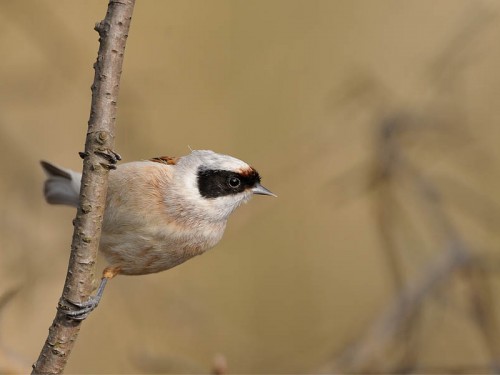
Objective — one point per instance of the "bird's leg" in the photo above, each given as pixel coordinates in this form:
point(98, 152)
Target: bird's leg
point(83, 309)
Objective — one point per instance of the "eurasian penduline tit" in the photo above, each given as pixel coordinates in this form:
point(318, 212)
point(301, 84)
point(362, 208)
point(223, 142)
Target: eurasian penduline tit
point(159, 212)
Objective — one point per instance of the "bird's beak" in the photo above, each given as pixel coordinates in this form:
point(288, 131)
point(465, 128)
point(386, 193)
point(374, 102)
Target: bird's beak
point(259, 189)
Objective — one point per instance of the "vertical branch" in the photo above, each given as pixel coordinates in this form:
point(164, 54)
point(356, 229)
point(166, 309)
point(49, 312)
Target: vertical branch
point(98, 159)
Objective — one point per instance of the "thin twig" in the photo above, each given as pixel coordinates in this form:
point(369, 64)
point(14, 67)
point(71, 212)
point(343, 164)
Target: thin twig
point(113, 32)
point(361, 355)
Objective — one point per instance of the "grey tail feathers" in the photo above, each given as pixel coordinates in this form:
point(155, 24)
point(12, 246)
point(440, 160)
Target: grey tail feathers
point(62, 185)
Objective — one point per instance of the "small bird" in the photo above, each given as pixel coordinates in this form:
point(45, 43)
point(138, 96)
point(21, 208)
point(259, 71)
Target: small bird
point(159, 212)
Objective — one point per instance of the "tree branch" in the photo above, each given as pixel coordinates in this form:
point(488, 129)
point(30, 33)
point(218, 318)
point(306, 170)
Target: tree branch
point(113, 32)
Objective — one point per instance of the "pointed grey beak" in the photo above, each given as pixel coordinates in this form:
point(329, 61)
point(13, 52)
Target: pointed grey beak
point(259, 189)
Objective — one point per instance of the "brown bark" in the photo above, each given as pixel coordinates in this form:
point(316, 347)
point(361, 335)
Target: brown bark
point(113, 31)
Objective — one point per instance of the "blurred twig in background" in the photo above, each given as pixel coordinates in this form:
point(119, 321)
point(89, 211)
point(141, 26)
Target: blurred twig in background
point(396, 329)
point(428, 255)
point(10, 362)
point(152, 363)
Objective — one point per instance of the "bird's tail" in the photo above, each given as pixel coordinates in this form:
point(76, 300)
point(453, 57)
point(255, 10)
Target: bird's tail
point(62, 185)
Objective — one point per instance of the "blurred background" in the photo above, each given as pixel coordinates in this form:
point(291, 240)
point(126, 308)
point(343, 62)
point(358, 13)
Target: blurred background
point(376, 123)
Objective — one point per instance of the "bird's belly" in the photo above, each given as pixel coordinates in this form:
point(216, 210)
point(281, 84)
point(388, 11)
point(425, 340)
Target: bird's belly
point(150, 250)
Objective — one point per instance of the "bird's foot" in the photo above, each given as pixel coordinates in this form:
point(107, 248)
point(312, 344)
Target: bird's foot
point(81, 310)
point(111, 157)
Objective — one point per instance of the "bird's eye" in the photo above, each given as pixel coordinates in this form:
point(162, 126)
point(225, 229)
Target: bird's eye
point(234, 182)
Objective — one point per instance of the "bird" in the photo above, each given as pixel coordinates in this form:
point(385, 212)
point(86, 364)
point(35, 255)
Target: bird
point(159, 212)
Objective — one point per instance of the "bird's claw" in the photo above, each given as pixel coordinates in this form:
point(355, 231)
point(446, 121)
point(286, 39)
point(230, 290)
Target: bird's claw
point(110, 156)
point(79, 310)
point(83, 154)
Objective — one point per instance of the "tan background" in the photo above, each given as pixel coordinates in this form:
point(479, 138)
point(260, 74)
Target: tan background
point(299, 89)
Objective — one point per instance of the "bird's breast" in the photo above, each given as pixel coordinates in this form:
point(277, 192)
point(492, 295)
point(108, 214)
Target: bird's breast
point(149, 249)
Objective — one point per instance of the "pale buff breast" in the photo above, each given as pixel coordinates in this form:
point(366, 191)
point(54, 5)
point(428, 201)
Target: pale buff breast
point(150, 242)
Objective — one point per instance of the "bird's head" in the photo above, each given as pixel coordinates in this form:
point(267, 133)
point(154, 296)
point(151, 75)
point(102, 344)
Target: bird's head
point(211, 186)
